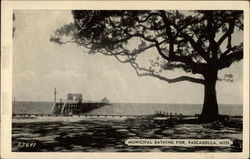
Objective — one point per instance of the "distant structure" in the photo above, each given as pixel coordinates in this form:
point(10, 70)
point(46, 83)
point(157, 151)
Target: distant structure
point(74, 104)
point(105, 100)
point(55, 95)
point(75, 97)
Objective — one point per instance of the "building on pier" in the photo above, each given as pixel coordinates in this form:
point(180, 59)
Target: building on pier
point(74, 97)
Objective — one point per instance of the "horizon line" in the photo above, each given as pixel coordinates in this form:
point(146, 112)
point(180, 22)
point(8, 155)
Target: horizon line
point(136, 102)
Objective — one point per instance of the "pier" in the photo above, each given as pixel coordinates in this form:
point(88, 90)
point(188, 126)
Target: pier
point(74, 108)
point(75, 105)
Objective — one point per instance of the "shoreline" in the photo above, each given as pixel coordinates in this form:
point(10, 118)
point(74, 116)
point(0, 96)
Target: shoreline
point(233, 121)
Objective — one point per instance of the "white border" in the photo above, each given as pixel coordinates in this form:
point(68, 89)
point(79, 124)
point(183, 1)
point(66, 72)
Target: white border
point(6, 71)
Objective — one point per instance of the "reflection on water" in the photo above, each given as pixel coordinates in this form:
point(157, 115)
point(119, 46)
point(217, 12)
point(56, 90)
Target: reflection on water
point(110, 135)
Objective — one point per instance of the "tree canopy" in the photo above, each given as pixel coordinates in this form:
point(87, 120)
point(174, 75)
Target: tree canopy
point(197, 42)
point(187, 40)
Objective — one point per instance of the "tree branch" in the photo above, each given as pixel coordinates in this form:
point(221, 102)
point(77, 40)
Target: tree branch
point(173, 80)
point(196, 47)
point(59, 41)
point(226, 61)
point(144, 20)
point(196, 67)
point(227, 33)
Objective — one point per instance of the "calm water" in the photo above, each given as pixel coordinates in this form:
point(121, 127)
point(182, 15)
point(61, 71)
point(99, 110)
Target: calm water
point(130, 108)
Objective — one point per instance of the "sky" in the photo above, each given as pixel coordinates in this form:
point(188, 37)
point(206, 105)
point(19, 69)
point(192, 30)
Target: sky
point(39, 66)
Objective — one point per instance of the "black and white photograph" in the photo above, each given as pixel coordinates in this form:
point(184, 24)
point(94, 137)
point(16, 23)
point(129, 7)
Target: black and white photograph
point(128, 80)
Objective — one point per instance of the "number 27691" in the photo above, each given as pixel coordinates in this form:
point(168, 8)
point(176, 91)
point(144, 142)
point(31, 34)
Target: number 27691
point(26, 144)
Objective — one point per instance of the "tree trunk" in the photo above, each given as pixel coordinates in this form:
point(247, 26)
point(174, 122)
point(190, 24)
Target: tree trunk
point(210, 106)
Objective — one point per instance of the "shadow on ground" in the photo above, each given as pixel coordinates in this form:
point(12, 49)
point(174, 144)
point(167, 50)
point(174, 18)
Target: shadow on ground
point(110, 136)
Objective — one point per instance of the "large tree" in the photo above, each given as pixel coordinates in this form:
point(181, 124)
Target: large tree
point(197, 42)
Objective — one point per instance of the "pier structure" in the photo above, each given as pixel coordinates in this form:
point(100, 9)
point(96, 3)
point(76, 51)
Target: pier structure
point(74, 105)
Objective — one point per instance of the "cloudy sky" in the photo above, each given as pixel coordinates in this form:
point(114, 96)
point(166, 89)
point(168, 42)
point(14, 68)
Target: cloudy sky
point(39, 66)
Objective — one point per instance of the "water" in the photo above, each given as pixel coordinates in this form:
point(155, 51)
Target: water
point(130, 108)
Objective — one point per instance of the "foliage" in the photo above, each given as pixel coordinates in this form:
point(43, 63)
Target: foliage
point(194, 41)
